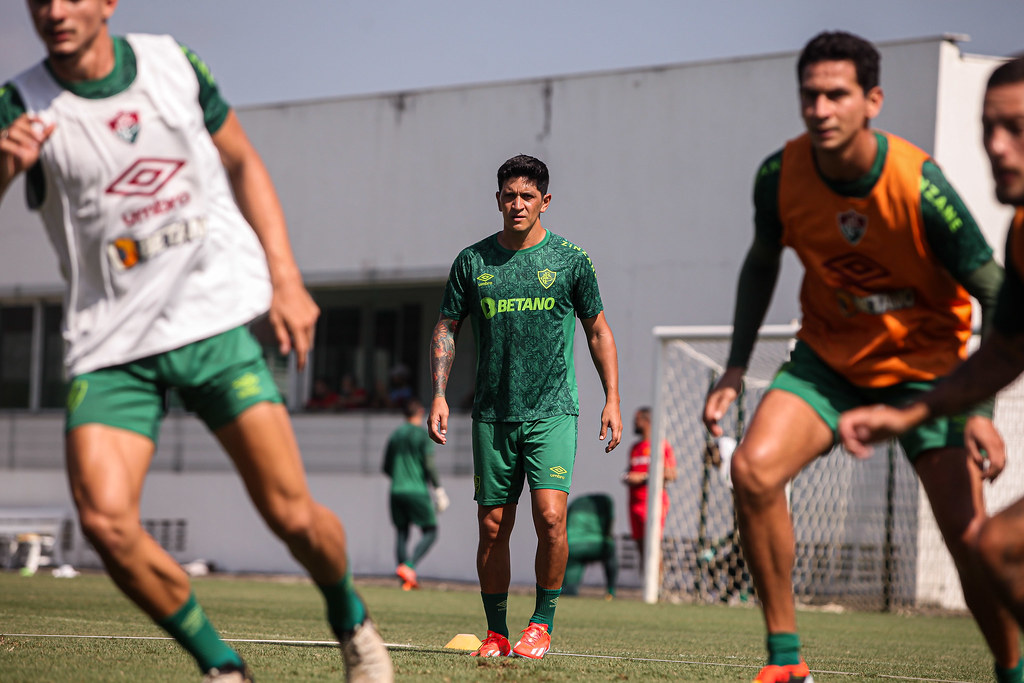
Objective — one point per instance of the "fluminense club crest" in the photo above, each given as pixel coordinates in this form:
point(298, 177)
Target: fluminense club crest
point(125, 125)
point(853, 225)
point(546, 277)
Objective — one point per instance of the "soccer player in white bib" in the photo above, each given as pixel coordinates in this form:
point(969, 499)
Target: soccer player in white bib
point(171, 239)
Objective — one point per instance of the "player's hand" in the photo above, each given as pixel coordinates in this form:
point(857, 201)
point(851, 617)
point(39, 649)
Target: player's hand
point(985, 445)
point(611, 425)
point(20, 144)
point(441, 501)
point(721, 396)
point(293, 315)
point(861, 427)
point(437, 423)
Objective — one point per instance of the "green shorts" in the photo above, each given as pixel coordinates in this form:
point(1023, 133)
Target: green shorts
point(217, 378)
point(412, 508)
point(830, 394)
point(507, 453)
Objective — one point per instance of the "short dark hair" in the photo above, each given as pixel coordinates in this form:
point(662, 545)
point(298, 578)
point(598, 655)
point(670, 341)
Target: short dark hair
point(524, 166)
point(411, 406)
point(1008, 73)
point(836, 46)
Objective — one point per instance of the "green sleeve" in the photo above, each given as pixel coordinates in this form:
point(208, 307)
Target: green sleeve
point(586, 296)
point(389, 458)
point(985, 284)
point(1009, 316)
point(950, 229)
point(958, 243)
point(760, 269)
point(11, 107)
point(429, 466)
point(215, 108)
point(453, 304)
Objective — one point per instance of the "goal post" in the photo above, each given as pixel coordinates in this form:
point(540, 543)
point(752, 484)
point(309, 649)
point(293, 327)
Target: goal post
point(701, 349)
point(865, 537)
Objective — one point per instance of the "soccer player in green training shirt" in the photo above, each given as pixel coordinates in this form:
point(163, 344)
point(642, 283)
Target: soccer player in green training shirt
point(409, 462)
point(522, 287)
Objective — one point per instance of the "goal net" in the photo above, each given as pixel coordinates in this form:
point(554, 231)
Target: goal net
point(865, 537)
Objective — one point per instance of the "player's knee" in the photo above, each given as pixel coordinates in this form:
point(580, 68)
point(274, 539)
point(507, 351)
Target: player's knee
point(995, 543)
point(291, 521)
point(110, 533)
point(752, 479)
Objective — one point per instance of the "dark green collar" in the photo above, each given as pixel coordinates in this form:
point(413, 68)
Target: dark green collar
point(117, 81)
point(861, 187)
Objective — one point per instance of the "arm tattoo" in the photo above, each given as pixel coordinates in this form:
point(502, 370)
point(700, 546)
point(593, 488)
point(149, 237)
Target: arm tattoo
point(442, 352)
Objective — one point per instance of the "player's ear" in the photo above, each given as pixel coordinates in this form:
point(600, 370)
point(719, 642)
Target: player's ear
point(875, 97)
point(497, 198)
point(544, 203)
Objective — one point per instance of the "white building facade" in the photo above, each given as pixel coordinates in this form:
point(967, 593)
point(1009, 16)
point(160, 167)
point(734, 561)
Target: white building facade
point(651, 172)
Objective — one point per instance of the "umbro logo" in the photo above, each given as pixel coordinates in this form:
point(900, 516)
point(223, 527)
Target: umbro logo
point(485, 279)
point(558, 472)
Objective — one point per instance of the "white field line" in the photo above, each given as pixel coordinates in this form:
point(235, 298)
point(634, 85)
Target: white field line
point(332, 643)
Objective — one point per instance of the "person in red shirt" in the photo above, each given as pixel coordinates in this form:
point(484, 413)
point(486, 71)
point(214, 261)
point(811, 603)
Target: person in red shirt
point(636, 477)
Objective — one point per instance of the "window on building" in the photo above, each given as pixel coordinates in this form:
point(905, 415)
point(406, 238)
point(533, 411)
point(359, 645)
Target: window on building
point(371, 347)
point(16, 324)
point(52, 390)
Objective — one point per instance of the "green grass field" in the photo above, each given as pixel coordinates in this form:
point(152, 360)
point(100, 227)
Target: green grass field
point(594, 640)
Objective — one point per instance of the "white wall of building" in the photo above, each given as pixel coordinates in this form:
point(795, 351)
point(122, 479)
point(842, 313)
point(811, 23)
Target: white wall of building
point(652, 173)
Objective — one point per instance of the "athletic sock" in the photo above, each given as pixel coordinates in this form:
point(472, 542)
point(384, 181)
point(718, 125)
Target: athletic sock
point(345, 609)
point(427, 540)
point(783, 649)
point(401, 543)
point(1014, 675)
point(544, 612)
point(496, 610)
point(190, 627)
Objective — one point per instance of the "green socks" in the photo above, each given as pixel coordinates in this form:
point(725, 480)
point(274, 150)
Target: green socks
point(1013, 675)
point(783, 649)
point(426, 541)
point(547, 601)
point(345, 610)
point(190, 627)
point(496, 609)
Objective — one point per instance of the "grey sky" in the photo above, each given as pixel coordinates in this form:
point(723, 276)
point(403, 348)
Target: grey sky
point(264, 51)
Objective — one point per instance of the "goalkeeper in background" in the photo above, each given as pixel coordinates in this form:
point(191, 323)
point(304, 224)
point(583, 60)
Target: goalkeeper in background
point(409, 462)
point(999, 360)
point(890, 256)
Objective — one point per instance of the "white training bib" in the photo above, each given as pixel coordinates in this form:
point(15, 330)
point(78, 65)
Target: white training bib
point(153, 248)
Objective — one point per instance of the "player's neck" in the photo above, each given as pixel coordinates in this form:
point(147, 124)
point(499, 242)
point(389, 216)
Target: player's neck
point(93, 62)
point(515, 240)
point(851, 162)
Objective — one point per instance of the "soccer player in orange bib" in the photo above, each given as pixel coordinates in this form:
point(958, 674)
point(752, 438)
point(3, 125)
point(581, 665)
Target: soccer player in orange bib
point(999, 360)
point(891, 255)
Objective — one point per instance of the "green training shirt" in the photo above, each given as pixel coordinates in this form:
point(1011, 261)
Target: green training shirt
point(409, 460)
point(215, 108)
point(523, 305)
